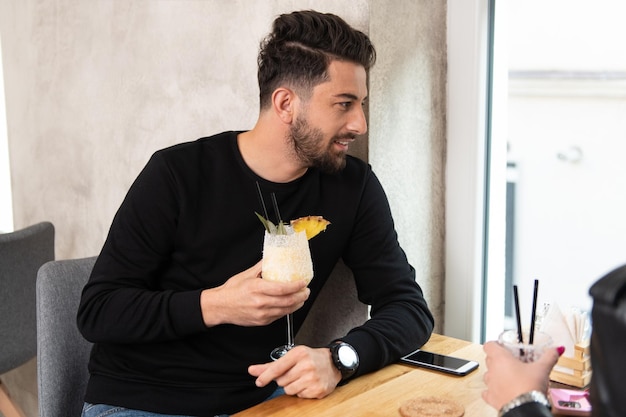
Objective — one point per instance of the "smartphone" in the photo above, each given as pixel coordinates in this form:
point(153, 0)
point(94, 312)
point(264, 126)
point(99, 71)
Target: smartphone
point(443, 363)
point(570, 402)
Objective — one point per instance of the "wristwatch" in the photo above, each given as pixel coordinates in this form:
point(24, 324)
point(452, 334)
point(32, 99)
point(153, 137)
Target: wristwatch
point(345, 358)
point(532, 396)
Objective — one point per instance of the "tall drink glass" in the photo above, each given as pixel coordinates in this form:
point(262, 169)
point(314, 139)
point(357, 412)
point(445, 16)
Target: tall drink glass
point(286, 257)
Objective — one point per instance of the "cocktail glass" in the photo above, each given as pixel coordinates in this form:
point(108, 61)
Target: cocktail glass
point(525, 352)
point(286, 257)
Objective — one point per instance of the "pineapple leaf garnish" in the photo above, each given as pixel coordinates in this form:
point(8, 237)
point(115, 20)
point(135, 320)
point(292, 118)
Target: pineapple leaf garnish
point(271, 228)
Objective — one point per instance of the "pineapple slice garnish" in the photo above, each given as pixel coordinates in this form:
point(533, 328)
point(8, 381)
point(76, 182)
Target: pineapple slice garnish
point(312, 225)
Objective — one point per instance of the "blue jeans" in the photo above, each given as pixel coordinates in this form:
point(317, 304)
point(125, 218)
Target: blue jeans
point(104, 410)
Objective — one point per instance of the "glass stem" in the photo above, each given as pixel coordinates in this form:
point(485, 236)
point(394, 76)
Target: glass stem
point(290, 335)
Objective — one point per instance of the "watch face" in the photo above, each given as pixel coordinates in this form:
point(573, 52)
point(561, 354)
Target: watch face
point(347, 356)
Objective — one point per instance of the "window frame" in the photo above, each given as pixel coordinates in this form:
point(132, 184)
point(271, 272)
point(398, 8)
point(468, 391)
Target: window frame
point(468, 32)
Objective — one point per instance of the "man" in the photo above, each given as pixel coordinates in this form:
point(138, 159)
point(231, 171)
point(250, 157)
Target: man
point(181, 322)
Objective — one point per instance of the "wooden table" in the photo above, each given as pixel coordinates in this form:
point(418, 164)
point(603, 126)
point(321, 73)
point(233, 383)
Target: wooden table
point(380, 393)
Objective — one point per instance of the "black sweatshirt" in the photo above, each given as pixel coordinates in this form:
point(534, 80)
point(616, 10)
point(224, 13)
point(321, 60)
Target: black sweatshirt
point(188, 223)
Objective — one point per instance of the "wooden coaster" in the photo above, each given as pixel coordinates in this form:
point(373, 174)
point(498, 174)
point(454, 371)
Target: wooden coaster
point(431, 407)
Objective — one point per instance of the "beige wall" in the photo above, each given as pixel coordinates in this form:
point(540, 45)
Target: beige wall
point(94, 88)
point(407, 131)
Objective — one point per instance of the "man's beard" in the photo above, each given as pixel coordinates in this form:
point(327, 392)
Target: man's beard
point(308, 146)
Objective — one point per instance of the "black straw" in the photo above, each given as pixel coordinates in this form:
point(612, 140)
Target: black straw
point(280, 220)
point(533, 313)
point(520, 338)
point(258, 188)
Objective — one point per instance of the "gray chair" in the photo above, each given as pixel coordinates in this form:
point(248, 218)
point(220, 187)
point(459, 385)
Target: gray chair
point(21, 254)
point(62, 351)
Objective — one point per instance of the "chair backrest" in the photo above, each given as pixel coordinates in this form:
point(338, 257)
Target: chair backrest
point(21, 254)
point(63, 353)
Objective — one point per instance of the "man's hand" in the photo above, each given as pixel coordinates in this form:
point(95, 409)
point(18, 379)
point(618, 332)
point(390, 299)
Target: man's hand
point(247, 300)
point(303, 371)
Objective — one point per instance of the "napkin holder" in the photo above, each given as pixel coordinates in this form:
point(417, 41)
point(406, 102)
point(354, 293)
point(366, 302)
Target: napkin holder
point(576, 370)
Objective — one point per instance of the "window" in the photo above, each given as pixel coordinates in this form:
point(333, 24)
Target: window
point(6, 208)
point(535, 91)
point(564, 98)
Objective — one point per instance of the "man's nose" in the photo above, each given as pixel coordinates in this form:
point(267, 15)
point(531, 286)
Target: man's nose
point(357, 123)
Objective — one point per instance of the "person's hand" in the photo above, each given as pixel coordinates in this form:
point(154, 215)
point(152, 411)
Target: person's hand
point(303, 371)
point(247, 300)
point(507, 377)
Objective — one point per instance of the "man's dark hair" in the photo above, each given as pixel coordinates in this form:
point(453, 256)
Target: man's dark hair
point(301, 46)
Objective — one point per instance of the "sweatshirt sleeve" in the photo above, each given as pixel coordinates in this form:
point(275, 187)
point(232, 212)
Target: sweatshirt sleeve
point(400, 318)
point(122, 301)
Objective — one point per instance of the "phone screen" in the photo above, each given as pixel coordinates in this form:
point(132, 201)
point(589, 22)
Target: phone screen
point(439, 362)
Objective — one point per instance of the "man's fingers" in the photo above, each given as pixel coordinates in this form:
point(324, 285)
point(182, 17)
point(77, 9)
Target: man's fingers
point(284, 288)
point(269, 372)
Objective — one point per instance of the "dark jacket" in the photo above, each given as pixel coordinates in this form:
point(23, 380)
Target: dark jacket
point(608, 345)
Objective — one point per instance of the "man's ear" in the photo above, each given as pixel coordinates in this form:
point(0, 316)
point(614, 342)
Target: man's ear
point(284, 104)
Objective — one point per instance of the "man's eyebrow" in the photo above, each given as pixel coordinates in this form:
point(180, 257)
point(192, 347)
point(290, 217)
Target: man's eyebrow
point(349, 96)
